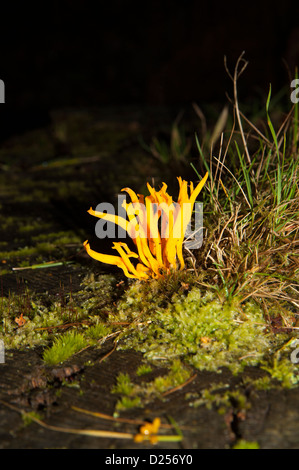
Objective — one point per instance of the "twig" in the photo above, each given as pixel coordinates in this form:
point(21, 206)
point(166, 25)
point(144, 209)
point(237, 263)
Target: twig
point(178, 387)
point(137, 422)
point(85, 432)
point(235, 78)
point(108, 354)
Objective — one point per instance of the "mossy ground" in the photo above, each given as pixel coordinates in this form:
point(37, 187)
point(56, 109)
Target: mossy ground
point(173, 322)
point(182, 322)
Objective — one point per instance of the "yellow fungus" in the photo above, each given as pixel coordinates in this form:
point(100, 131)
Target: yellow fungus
point(159, 247)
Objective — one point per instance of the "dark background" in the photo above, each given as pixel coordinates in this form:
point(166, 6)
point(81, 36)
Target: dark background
point(78, 53)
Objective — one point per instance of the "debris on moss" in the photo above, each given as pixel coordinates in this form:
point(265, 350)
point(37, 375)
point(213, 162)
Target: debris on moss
point(46, 317)
point(39, 320)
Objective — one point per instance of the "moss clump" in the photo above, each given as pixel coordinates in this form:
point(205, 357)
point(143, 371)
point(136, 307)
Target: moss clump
point(177, 375)
point(202, 330)
point(45, 317)
point(142, 299)
point(123, 385)
point(144, 369)
point(219, 397)
point(127, 391)
point(132, 394)
point(38, 321)
point(64, 347)
point(97, 331)
point(30, 416)
point(126, 403)
point(243, 444)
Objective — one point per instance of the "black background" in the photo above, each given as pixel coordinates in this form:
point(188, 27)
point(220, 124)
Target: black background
point(78, 53)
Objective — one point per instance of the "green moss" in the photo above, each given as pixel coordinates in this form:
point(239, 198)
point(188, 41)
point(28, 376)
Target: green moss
point(211, 400)
point(243, 444)
point(200, 329)
point(144, 392)
point(97, 293)
point(64, 347)
point(220, 397)
point(144, 298)
point(126, 403)
point(283, 370)
point(263, 383)
point(44, 314)
point(97, 331)
point(177, 375)
point(127, 391)
point(44, 248)
point(28, 417)
point(41, 247)
point(8, 222)
point(123, 385)
point(27, 227)
point(4, 271)
point(171, 321)
point(60, 237)
point(37, 316)
point(144, 369)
